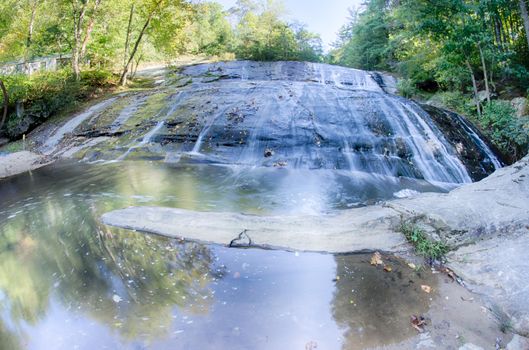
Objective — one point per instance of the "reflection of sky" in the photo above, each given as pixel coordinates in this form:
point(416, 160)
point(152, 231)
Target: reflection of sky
point(66, 280)
point(267, 300)
point(322, 17)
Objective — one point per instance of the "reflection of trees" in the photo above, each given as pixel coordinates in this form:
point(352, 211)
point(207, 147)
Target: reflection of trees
point(373, 306)
point(57, 249)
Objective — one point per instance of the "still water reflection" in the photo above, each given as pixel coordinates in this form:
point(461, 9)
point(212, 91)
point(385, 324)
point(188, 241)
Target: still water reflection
point(68, 282)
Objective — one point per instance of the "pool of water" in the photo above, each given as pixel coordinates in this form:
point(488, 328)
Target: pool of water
point(69, 282)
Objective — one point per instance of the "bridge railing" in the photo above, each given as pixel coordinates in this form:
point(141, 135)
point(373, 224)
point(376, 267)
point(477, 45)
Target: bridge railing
point(40, 64)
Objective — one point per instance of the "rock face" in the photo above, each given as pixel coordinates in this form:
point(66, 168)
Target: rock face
point(287, 114)
point(497, 205)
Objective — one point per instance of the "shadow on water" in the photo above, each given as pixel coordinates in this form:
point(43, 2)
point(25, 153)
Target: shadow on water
point(66, 281)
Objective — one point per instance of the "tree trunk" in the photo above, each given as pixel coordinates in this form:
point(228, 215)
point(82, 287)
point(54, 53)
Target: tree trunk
point(525, 17)
point(484, 67)
point(6, 103)
point(475, 87)
point(124, 75)
point(29, 39)
point(127, 39)
point(78, 30)
point(89, 30)
point(135, 70)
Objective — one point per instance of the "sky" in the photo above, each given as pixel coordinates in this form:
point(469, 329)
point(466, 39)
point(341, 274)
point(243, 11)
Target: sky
point(321, 17)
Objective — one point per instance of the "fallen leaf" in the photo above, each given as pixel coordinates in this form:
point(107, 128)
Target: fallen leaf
point(418, 322)
point(376, 259)
point(412, 266)
point(450, 274)
point(426, 288)
point(388, 268)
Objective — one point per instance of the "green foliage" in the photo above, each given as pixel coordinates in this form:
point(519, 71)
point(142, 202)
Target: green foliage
point(454, 101)
point(442, 47)
point(507, 131)
point(423, 245)
point(46, 94)
point(261, 35)
point(407, 88)
point(366, 40)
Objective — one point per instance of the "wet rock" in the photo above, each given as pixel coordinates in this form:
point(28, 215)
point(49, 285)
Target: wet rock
point(480, 157)
point(242, 240)
point(20, 162)
point(470, 346)
point(518, 343)
point(268, 153)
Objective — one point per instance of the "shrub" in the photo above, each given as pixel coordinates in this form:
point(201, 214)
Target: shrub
point(423, 245)
point(509, 133)
point(453, 100)
point(407, 88)
point(45, 94)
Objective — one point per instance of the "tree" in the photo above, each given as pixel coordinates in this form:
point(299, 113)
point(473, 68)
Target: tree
point(81, 11)
point(525, 18)
point(6, 103)
point(364, 41)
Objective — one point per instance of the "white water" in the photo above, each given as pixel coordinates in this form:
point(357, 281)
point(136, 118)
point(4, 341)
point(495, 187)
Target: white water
point(470, 130)
point(424, 144)
point(127, 113)
point(154, 131)
point(51, 144)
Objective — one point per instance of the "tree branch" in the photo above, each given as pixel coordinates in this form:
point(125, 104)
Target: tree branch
point(6, 103)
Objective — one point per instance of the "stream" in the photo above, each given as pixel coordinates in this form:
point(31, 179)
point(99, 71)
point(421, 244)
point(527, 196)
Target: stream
point(258, 138)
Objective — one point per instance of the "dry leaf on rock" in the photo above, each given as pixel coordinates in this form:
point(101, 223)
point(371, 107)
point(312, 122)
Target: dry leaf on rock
point(388, 268)
point(426, 288)
point(418, 322)
point(376, 259)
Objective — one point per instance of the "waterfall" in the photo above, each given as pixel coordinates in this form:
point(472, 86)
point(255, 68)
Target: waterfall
point(477, 139)
point(147, 138)
point(51, 144)
point(307, 116)
point(126, 113)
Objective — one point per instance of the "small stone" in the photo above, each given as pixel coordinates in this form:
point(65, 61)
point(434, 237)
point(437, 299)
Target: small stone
point(268, 153)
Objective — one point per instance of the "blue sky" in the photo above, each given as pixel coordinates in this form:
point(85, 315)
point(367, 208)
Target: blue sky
point(322, 17)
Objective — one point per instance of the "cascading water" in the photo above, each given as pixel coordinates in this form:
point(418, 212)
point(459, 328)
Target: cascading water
point(51, 144)
point(147, 138)
point(336, 126)
point(344, 120)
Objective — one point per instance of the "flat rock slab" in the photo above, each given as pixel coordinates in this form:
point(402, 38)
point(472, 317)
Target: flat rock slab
point(365, 229)
point(20, 162)
point(497, 205)
point(498, 269)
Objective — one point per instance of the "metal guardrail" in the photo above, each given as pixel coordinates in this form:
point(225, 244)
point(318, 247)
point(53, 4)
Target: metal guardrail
point(49, 64)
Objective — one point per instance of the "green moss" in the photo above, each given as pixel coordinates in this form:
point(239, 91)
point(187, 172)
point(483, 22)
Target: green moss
point(13, 147)
point(423, 245)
